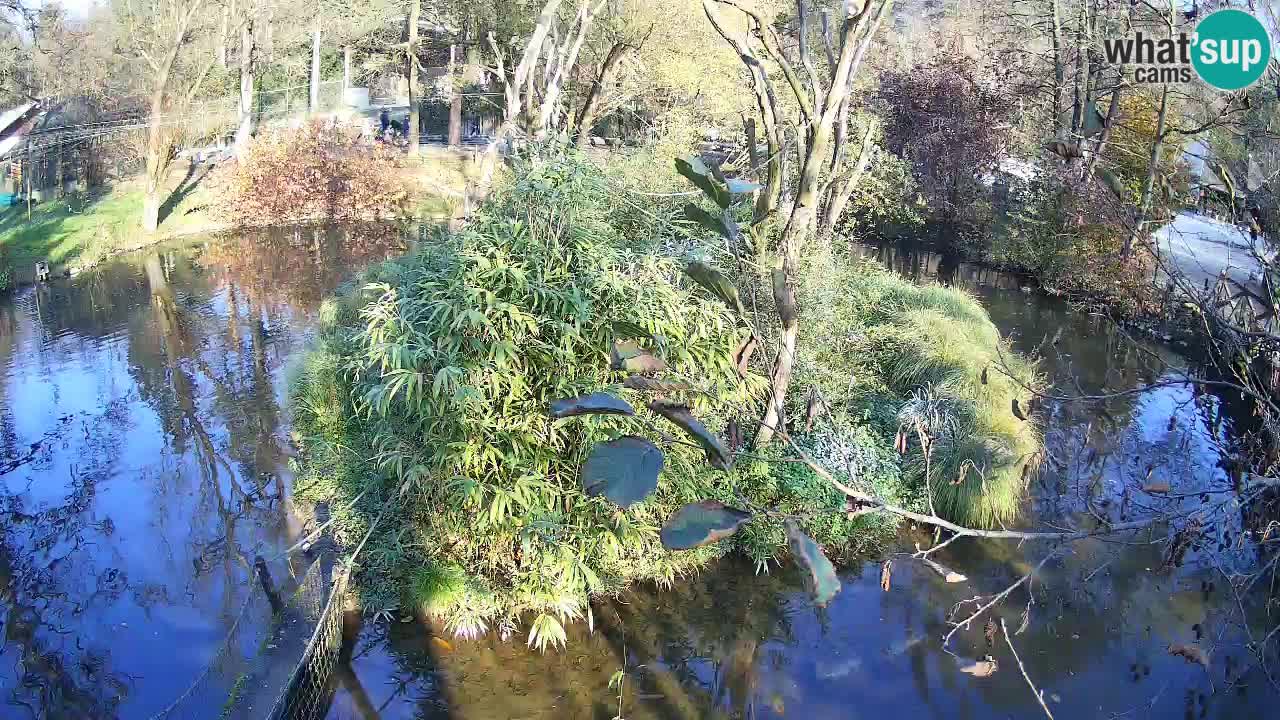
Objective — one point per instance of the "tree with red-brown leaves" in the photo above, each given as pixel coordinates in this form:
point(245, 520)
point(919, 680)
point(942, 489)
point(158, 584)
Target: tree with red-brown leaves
point(950, 125)
point(320, 171)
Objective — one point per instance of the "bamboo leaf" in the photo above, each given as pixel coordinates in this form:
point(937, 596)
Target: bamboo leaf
point(593, 404)
point(628, 329)
point(717, 454)
point(623, 471)
point(820, 575)
point(701, 523)
point(640, 382)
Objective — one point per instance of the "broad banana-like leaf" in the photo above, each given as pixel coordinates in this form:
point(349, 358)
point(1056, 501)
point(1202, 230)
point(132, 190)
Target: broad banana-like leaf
point(693, 213)
point(625, 471)
point(742, 356)
point(820, 575)
point(1112, 182)
point(701, 523)
point(717, 454)
point(593, 404)
point(715, 281)
point(702, 176)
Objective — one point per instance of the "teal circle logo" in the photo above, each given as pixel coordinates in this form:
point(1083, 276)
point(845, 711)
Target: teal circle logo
point(1231, 49)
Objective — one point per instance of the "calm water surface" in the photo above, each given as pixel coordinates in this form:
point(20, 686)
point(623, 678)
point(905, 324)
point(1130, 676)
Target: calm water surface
point(144, 465)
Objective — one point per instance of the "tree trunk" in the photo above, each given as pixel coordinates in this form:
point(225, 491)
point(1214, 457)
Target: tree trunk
point(222, 36)
point(1081, 85)
point(606, 79)
point(1113, 109)
point(1059, 70)
point(57, 172)
point(767, 104)
point(1153, 169)
point(159, 148)
point(824, 108)
point(248, 51)
point(411, 75)
point(455, 99)
point(27, 175)
point(314, 98)
point(346, 70)
point(842, 189)
point(549, 114)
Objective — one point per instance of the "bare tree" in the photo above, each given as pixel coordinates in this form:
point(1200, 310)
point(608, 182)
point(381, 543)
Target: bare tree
point(248, 66)
point(167, 36)
point(823, 111)
point(623, 46)
point(534, 99)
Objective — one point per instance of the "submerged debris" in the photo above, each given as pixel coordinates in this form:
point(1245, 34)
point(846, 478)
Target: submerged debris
point(981, 668)
point(1191, 653)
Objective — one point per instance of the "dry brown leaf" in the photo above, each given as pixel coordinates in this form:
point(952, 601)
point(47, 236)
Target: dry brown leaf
point(742, 356)
point(947, 573)
point(886, 573)
point(1191, 653)
point(981, 668)
point(989, 631)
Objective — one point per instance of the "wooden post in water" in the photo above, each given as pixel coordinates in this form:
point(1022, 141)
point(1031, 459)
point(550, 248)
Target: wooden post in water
point(268, 585)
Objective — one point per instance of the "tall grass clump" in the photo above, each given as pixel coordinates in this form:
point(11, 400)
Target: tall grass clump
point(903, 357)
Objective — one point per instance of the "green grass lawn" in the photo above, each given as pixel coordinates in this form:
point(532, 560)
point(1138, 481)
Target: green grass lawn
point(82, 228)
point(61, 230)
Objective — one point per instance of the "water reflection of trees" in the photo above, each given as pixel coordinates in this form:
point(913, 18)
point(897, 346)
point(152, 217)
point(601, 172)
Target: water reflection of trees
point(709, 647)
point(202, 349)
point(38, 606)
point(297, 266)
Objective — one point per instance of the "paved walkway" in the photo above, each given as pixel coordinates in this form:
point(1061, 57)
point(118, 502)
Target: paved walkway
point(1202, 248)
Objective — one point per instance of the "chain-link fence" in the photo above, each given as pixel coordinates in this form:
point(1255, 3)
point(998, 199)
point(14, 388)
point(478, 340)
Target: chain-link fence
point(307, 694)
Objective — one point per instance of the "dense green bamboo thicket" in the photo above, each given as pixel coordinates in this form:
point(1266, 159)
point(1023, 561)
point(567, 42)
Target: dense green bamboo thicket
point(426, 402)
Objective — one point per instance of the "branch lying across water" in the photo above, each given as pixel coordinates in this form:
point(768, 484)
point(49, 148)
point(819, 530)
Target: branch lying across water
point(870, 503)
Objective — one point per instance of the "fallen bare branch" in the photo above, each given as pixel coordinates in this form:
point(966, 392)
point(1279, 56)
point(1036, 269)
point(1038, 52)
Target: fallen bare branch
point(1039, 694)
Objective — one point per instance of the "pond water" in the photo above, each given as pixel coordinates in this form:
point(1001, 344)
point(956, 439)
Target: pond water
point(144, 465)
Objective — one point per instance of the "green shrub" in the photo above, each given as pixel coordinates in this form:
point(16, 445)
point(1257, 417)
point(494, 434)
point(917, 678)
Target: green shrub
point(441, 370)
point(425, 404)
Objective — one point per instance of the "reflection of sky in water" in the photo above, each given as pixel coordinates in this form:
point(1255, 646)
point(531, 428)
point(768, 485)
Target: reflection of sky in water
point(155, 386)
point(730, 644)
